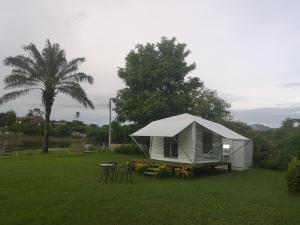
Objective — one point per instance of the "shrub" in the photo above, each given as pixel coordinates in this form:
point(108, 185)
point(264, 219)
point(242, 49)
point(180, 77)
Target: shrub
point(183, 172)
point(30, 128)
point(63, 130)
point(293, 176)
point(288, 147)
point(127, 149)
point(163, 171)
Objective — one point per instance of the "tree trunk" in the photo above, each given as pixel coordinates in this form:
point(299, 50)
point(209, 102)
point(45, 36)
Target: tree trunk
point(46, 128)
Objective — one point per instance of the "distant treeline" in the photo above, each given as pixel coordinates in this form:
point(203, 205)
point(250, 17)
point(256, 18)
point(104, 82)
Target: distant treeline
point(32, 125)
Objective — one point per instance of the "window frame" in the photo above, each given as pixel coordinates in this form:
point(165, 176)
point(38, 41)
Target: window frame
point(207, 142)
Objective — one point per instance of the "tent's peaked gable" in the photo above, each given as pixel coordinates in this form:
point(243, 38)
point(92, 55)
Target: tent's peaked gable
point(181, 117)
point(218, 128)
point(221, 130)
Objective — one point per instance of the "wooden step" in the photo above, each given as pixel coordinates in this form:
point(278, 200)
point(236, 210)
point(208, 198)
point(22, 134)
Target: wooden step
point(151, 169)
point(153, 166)
point(148, 173)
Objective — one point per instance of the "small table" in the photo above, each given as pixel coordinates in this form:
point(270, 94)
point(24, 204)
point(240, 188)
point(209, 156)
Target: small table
point(108, 171)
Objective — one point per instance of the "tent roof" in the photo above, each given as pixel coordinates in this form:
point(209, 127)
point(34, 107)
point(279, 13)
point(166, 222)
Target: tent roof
point(171, 126)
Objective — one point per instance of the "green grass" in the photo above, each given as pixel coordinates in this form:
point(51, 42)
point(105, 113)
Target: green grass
point(63, 189)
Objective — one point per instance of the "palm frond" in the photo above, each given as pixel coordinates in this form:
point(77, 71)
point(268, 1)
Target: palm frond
point(20, 82)
point(19, 76)
point(79, 77)
point(76, 92)
point(21, 62)
point(69, 68)
point(54, 58)
point(38, 58)
point(14, 94)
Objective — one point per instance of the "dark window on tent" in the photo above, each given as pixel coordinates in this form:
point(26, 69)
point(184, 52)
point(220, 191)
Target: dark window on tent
point(207, 142)
point(167, 144)
point(171, 147)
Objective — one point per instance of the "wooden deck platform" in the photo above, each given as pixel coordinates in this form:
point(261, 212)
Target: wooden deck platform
point(210, 165)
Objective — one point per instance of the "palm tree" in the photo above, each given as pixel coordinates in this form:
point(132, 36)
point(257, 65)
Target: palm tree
point(47, 71)
point(77, 115)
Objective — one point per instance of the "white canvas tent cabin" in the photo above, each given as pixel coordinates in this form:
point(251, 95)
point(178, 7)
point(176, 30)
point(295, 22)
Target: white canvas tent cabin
point(192, 140)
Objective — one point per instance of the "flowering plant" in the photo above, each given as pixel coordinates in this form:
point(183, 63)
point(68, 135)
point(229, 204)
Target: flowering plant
point(141, 167)
point(183, 172)
point(163, 171)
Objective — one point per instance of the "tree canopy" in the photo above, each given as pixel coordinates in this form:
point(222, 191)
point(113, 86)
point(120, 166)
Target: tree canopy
point(158, 86)
point(7, 118)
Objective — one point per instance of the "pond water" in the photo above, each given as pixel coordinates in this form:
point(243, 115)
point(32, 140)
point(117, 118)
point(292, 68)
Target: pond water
point(32, 143)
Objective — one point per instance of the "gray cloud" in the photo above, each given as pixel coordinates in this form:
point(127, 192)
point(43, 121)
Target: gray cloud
point(234, 98)
point(272, 116)
point(290, 85)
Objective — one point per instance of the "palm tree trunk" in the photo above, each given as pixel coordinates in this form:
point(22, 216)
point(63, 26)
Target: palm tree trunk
point(46, 128)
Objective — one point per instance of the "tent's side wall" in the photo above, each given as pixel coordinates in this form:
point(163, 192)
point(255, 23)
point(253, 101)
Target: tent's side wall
point(237, 157)
point(185, 147)
point(199, 155)
point(248, 154)
point(157, 146)
point(241, 154)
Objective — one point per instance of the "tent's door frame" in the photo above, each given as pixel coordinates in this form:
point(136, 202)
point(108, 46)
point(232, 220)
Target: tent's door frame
point(140, 147)
point(183, 151)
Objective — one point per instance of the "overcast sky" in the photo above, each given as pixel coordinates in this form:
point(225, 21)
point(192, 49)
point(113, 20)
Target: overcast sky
point(248, 50)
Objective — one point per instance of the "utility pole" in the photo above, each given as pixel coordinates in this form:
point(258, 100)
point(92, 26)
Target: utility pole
point(109, 132)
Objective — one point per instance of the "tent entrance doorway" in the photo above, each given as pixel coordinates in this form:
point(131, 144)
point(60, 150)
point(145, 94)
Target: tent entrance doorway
point(171, 147)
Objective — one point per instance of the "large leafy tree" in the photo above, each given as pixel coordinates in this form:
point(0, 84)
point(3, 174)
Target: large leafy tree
point(207, 104)
point(47, 71)
point(158, 86)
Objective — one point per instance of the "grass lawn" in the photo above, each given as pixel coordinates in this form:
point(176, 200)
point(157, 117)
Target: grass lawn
point(63, 189)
